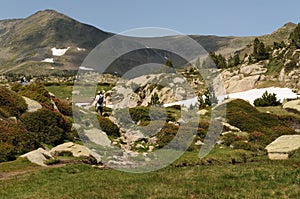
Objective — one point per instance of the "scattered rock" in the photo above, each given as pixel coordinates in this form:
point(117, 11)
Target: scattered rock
point(32, 105)
point(283, 146)
point(254, 69)
point(98, 137)
point(230, 127)
point(38, 156)
point(202, 112)
point(199, 143)
point(292, 105)
point(76, 150)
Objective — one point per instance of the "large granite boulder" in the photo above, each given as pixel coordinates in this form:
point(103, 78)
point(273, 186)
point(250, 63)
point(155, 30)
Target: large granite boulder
point(283, 146)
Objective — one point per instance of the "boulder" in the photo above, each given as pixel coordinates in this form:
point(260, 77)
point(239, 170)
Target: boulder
point(32, 105)
point(202, 112)
point(38, 156)
point(235, 85)
point(76, 150)
point(292, 105)
point(254, 69)
point(98, 137)
point(282, 147)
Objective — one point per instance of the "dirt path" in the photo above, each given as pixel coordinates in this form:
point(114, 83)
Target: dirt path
point(13, 174)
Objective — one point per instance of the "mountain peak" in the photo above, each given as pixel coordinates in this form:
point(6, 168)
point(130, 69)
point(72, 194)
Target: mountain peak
point(289, 24)
point(48, 14)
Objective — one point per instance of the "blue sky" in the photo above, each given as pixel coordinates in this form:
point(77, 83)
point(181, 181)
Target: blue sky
point(210, 17)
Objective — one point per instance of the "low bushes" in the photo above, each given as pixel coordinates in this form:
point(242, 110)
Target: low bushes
point(64, 107)
point(241, 114)
point(108, 126)
point(15, 139)
point(11, 104)
point(50, 127)
point(38, 93)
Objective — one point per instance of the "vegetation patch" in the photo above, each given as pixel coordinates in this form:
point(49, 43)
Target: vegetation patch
point(11, 104)
point(49, 127)
point(37, 92)
point(15, 140)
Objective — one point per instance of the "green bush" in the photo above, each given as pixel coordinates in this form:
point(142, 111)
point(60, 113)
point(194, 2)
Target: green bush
point(11, 103)
point(64, 107)
point(267, 99)
point(50, 127)
point(15, 140)
point(241, 114)
point(259, 138)
point(244, 145)
point(230, 138)
point(37, 92)
point(166, 134)
point(108, 126)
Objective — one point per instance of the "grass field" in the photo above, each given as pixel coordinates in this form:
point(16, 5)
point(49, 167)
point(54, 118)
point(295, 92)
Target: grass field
point(263, 179)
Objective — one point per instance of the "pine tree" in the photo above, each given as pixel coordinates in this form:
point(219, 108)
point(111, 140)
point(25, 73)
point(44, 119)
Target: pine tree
point(295, 37)
point(267, 99)
point(169, 63)
point(154, 100)
point(236, 59)
point(259, 50)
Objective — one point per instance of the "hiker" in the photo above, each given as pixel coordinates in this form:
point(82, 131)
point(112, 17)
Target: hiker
point(23, 81)
point(100, 102)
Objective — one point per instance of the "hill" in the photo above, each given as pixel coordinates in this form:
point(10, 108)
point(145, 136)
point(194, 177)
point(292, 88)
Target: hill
point(30, 45)
point(24, 43)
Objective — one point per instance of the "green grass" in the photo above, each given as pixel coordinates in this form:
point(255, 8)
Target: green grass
point(278, 110)
point(17, 165)
point(61, 91)
point(268, 179)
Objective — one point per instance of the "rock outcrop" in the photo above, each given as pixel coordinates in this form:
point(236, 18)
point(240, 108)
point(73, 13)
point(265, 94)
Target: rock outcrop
point(32, 105)
point(283, 146)
point(293, 105)
point(39, 156)
point(244, 78)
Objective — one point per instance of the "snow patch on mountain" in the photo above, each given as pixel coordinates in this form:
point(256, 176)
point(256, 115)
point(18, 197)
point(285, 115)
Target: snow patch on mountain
point(48, 60)
point(59, 52)
point(81, 49)
point(250, 96)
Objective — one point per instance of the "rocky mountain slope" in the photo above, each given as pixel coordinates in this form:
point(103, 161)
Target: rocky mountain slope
point(25, 43)
point(34, 45)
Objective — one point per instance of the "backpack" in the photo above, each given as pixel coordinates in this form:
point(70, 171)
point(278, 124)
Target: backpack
point(101, 99)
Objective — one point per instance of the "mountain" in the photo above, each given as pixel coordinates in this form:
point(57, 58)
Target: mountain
point(47, 42)
point(24, 43)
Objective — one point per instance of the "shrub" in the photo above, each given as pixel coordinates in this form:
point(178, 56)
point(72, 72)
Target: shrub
point(244, 145)
point(230, 138)
point(16, 87)
point(37, 92)
point(139, 114)
point(108, 126)
point(64, 107)
point(50, 127)
point(267, 99)
point(15, 140)
point(241, 114)
point(259, 138)
point(11, 103)
point(166, 134)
